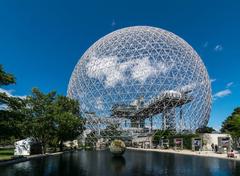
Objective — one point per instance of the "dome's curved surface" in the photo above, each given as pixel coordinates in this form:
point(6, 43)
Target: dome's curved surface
point(141, 77)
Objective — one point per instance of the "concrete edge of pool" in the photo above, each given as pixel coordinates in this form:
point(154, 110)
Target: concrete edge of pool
point(189, 153)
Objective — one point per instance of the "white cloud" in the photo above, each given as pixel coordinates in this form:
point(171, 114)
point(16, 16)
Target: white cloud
point(3, 107)
point(142, 69)
point(162, 68)
point(21, 96)
point(111, 71)
point(9, 93)
point(222, 93)
point(230, 84)
point(99, 103)
point(191, 86)
point(217, 128)
point(188, 87)
point(105, 69)
point(218, 48)
point(213, 80)
point(205, 45)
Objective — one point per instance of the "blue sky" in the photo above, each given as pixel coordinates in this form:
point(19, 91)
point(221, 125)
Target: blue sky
point(41, 41)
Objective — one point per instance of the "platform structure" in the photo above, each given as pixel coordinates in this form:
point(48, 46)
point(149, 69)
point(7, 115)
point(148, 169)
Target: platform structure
point(112, 126)
point(165, 104)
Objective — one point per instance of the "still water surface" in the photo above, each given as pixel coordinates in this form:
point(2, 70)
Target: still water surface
point(133, 163)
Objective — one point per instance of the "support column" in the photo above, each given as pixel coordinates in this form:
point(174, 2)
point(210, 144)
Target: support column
point(151, 122)
point(169, 120)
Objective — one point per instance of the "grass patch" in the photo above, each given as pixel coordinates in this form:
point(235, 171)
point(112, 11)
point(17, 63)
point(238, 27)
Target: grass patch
point(6, 154)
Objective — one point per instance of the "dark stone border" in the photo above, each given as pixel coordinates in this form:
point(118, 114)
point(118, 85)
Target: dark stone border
point(13, 161)
point(27, 158)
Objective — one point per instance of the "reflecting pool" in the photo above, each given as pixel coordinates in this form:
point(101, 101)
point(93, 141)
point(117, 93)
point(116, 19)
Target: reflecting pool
point(133, 163)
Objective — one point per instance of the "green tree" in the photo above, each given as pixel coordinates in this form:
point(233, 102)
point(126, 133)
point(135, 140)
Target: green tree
point(11, 120)
point(39, 113)
point(9, 111)
point(52, 119)
point(232, 124)
point(205, 129)
point(68, 124)
point(6, 78)
point(112, 132)
point(46, 117)
point(91, 140)
point(162, 134)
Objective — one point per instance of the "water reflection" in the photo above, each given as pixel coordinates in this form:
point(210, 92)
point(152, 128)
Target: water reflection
point(118, 164)
point(94, 163)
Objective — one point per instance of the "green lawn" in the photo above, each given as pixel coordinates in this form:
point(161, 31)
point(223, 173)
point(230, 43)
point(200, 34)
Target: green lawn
point(6, 153)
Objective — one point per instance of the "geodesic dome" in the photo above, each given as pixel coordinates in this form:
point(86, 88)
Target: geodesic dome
point(139, 78)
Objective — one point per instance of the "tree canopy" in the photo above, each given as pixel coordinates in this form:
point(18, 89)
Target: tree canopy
point(205, 129)
point(68, 124)
point(9, 114)
point(6, 78)
point(232, 124)
point(52, 118)
point(49, 118)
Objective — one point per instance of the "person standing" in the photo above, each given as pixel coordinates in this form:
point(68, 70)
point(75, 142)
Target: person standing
point(212, 147)
point(216, 148)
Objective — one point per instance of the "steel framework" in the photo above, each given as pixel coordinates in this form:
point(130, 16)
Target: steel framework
point(141, 77)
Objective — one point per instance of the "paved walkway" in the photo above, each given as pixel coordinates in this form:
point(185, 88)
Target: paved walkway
point(189, 152)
